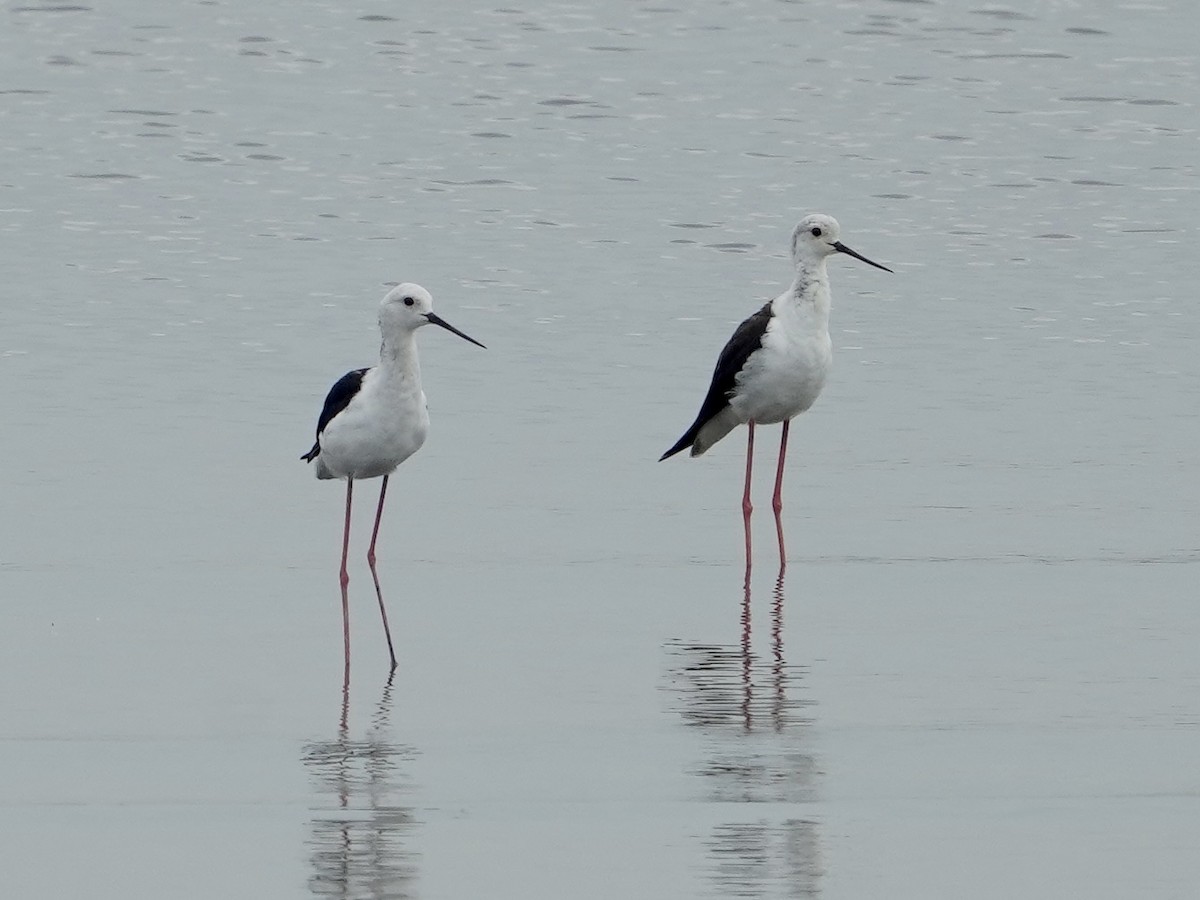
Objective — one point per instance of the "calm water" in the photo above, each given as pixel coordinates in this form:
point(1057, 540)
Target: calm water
point(978, 676)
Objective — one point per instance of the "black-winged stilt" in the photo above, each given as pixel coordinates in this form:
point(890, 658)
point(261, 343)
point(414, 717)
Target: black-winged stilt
point(774, 366)
point(375, 418)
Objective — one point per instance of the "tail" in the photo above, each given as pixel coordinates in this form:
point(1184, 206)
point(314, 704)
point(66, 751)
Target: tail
point(312, 454)
point(705, 432)
point(686, 441)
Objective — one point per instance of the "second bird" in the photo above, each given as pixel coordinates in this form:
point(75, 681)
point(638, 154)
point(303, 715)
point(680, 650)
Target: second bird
point(774, 366)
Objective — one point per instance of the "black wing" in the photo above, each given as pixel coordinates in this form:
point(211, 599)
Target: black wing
point(344, 390)
point(744, 342)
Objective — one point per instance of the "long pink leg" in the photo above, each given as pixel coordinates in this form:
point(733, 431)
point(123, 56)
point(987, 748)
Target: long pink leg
point(777, 500)
point(747, 506)
point(344, 721)
point(779, 537)
point(345, 577)
point(375, 575)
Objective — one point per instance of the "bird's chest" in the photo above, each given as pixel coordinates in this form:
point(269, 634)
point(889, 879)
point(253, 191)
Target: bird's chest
point(785, 376)
point(401, 430)
point(378, 431)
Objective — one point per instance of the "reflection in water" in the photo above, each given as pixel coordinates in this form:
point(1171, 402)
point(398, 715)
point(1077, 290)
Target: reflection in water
point(754, 728)
point(361, 834)
point(758, 859)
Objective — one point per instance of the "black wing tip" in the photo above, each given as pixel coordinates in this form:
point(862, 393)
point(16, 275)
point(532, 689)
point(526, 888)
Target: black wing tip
point(312, 454)
point(684, 442)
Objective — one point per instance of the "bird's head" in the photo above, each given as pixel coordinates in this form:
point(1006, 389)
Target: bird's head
point(407, 307)
point(816, 237)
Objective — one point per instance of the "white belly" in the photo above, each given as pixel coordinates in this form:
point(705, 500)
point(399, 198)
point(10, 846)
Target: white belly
point(783, 378)
point(362, 443)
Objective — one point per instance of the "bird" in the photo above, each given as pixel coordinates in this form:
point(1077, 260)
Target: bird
point(774, 366)
point(375, 418)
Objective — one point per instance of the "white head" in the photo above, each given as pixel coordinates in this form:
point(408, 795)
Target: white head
point(404, 308)
point(818, 236)
point(407, 307)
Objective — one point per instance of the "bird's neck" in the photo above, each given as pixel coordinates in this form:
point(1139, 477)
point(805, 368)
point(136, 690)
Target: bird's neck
point(398, 356)
point(810, 290)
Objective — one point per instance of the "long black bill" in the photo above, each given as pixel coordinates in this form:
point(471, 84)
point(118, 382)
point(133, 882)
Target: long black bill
point(842, 248)
point(438, 320)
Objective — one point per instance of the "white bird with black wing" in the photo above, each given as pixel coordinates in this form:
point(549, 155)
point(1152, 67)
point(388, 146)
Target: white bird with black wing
point(375, 418)
point(774, 366)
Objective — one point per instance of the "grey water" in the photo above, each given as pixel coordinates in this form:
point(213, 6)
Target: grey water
point(977, 676)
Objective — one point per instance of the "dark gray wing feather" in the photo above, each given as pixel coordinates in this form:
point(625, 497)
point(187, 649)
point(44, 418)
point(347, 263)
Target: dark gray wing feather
point(744, 342)
point(343, 391)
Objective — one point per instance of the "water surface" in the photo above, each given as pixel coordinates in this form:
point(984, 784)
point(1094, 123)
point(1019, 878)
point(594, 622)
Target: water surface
point(977, 676)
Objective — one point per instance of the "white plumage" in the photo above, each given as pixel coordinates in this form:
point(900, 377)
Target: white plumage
point(776, 363)
point(376, 418)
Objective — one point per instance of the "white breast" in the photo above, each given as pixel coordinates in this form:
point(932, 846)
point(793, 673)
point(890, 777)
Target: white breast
point(785, 376)
point(381, 427)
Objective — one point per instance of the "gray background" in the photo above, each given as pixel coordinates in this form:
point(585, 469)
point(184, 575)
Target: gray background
point(979, 677)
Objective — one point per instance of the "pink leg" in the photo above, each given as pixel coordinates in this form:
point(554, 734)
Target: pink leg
point(747, 507)
point(375, 575)
point(778, 670)
point(777, 500)
point(345, 578)
point(779, 537)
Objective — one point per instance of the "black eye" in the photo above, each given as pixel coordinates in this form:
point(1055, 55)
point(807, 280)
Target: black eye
point(816, 232)
point(408, 301)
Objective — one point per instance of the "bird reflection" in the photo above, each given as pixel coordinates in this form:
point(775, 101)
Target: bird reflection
point(760, 859)
point(754, 722)
point(362, 833)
